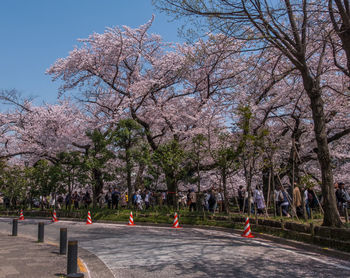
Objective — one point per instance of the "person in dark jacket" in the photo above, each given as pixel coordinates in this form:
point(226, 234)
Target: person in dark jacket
point(87, 199)
point(108, 198)
point(212, 201)
point(115, 199)
point(241, 193)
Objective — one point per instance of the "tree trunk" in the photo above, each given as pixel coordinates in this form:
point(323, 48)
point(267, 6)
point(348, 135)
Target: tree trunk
point(266, 180)
point(224, 186)
point(172, 189)
point(249, 186)
point(98, 185)
point(293, 162)
point(274, 193)
point(139, 183)
point(331, 214)
point(199, 177)
point(128, 177)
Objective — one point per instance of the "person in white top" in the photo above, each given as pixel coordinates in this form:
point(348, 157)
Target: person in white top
point(259, 199)
point(164, 197)
point(306, 202)
point(220, 200)
point(147, 198)
point(139, 200)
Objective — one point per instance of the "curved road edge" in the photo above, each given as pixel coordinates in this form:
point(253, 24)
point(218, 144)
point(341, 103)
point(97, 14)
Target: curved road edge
point(280, 240)
point(95, 267)
point(98, 267)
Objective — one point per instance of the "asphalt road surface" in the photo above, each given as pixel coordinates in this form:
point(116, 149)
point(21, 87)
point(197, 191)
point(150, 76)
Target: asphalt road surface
point(141, 251)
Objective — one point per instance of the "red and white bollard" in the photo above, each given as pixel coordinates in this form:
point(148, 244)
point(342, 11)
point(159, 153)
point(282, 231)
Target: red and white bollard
point(21, 217)
point(131, 220)
point(54, 216)
point(176, 222)
point(88, 220)
point(247, 232)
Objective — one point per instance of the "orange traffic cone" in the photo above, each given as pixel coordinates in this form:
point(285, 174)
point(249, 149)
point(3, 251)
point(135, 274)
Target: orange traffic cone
point(88, 220)
point(247, 232)
point(21, 217)
point(176, 222)
point(131, 220)
point(54, 217)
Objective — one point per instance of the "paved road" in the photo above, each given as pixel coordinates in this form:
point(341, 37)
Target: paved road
point(141, 251)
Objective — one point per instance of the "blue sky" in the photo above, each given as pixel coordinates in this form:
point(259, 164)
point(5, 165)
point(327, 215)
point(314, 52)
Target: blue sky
point(34, 33)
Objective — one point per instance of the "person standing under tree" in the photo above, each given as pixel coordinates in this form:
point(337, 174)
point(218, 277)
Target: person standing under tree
point(108, 198)
point(212, 200)
point(75, 199)
point(147, 199)
point(220, 200)
point(193, 199)
point(87, 199)
point(115, 199)
point(259, 199)
point(241, 193)
point(285, 202)
point(342, 197)
point(164, 198)
point(297, 200)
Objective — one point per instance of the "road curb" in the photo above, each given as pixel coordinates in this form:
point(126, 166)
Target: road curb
point(96, 267)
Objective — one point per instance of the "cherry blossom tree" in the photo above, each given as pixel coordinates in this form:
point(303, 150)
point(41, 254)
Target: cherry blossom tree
point(167, 89)
point(298, 31)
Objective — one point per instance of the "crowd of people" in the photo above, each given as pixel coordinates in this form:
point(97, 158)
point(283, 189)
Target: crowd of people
point(210, 200)
point(298, 200)
point(256, 200)
point(287, 200)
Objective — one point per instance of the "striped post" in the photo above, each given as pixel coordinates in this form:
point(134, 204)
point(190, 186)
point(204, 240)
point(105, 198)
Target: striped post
point(247, 232)
point(131, 220)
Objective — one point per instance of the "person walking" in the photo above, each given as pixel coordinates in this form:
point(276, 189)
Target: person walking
point(87, 199)
point(164, 198)
point(138, 200)
point(7, 202)
point(188, 199)
point(108, 198)
point(147, 199)
point(259, 199)
point(241, 194)
point(278, 198)
point(212, 201)
point(285, 203)
point(68, 200)
point(76, 199)
point(206, 200)
point(193, 198)
point(297, 200)
point(342, 197)
point(307, 203)
point(115, 199)
point(220, 200)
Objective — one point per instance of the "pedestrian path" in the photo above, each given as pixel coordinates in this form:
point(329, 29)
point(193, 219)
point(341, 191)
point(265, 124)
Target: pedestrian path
point(23, 257)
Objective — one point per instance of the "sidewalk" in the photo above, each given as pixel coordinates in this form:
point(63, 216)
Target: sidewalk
point(22, 257)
